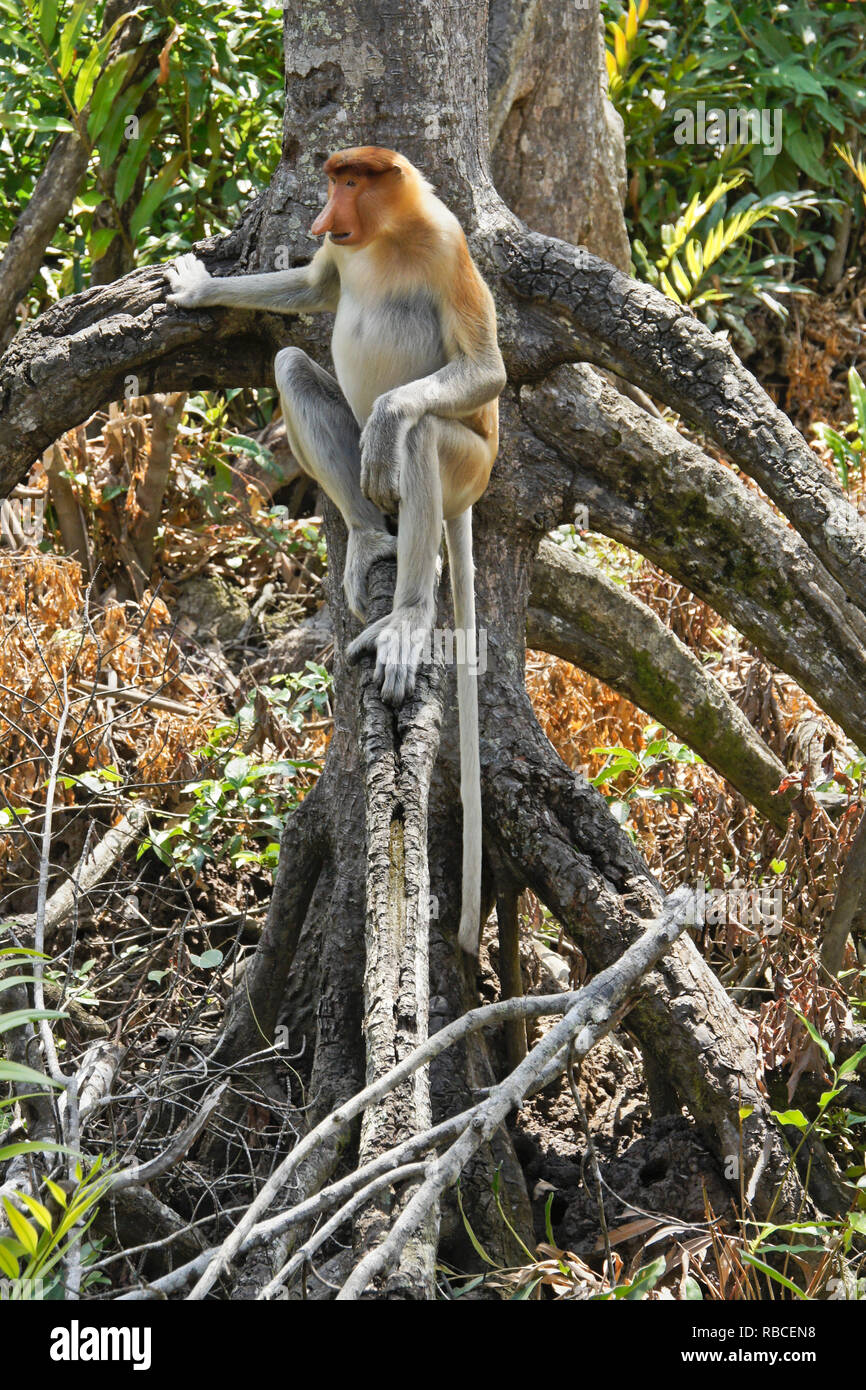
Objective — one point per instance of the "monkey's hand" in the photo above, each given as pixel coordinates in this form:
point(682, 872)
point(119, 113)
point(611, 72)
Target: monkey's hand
point(189, 281)
point(382, 441)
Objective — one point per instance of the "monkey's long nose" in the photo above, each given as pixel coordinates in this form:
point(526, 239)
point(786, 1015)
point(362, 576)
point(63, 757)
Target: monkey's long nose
point(325, 220)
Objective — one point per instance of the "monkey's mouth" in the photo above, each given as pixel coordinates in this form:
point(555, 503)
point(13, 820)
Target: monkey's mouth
point(339, 236)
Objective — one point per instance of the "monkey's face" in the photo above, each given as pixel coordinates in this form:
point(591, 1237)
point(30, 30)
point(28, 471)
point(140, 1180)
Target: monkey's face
point(358, 207)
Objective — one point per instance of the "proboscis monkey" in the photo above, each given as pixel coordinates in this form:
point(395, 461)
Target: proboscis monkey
point(410, 426)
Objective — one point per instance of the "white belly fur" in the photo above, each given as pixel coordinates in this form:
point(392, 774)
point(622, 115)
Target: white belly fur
point(382, 344)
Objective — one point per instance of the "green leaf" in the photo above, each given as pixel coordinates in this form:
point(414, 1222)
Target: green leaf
point(106, 91)
point(858, 400)
point(852, 1063)
point(475, 1242)
point(771, 1273)
point(798, 78)
point(22, 120)
point(19, 1016)
point(791, 1117)
point(48, 20)
point(11, 980)
point(69, 37)
point(816, 1037)
point(681, 280)
point(97, 245)
point(36, 1209)
point(130, 164)
point(56, 1192)
point(802, 149)
point(21, 1227)
point(154, 194)
point(14, 1071)
point(8, 1263)
point(694, 259)
point(86, 78)
point(114, 131)
point(645, 1280)
point(826, 1096)
point(33, 1146)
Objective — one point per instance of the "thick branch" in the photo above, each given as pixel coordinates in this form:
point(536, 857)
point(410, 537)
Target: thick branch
point(647, 486)
point(117, 340)
point(578, 614)
point(398, 753)
point(601, 315)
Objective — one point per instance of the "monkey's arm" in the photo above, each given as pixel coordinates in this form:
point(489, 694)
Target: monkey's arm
point(462, 386)
point(458, 390)
point(308, 289)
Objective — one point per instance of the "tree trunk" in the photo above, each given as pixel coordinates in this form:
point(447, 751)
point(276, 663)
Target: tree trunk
point(355, 76)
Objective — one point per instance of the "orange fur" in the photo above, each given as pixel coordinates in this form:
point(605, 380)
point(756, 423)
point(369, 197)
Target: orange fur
point(365, 159)
point(413, 240)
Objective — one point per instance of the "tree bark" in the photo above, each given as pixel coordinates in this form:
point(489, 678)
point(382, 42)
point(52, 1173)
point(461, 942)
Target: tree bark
point(578, 614)
point(558, 146)
point(356, 76)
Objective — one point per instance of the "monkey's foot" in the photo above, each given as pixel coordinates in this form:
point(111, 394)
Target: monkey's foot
point(365, 546)
point(401, 641)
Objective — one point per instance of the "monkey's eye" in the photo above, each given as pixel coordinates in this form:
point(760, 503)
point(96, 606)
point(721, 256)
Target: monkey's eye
point(350, 183)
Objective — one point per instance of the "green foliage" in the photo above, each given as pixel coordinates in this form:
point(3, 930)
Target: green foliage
point(840, 1239)
point(637, 1288)
point(43, 1233)
point(13, 1075)
point(238, 812)
point(707, 258)
point(181, 129)
point(41, 1239)
point(848, 446)
point(805, 61)
point(627, 777)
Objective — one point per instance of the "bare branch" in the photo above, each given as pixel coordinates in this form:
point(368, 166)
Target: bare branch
point(589, 1018)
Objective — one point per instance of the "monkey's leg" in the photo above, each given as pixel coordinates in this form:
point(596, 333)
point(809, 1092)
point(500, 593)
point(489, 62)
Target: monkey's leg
point(400, 637)
point(323, 435)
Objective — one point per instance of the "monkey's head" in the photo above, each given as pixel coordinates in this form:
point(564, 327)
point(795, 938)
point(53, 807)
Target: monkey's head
point(371, 191)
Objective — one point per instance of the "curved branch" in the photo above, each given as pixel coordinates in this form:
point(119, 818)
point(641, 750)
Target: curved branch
point(603, 316)
point(577, 613)
point(119, 340)
point(653, 490)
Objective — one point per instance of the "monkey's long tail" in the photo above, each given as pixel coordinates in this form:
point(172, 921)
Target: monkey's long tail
point(458, 534)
